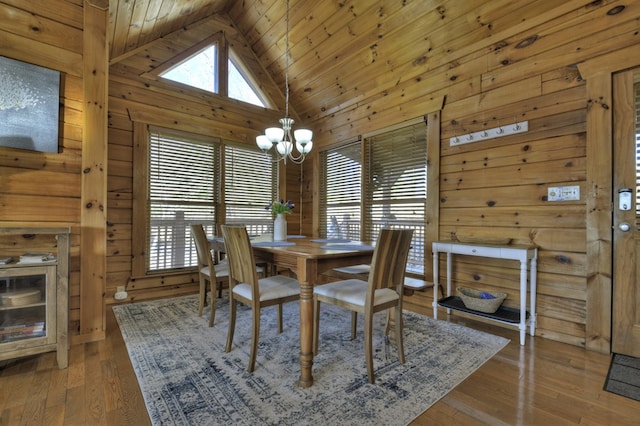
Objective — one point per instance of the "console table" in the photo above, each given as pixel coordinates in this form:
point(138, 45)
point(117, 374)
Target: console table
point(526, 255)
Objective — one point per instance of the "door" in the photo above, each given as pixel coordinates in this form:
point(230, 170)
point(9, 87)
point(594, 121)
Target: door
point(626, 234)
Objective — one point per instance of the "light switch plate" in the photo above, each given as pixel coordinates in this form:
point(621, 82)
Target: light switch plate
point(563, 193)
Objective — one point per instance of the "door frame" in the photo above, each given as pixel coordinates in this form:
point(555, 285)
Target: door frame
point(598, 73)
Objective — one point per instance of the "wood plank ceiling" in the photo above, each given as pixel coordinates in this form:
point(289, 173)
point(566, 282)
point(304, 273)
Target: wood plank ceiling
point(349, 52)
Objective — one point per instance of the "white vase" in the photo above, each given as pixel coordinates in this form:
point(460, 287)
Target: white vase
point(280, 228)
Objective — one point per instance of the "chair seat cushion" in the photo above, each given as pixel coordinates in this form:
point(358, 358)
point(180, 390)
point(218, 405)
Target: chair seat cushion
point(221, 271)
point(354, 292)
point(275, 287)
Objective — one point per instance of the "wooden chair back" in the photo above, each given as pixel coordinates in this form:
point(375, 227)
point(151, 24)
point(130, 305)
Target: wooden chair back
point(242, 264)
point(202, 246)
point(389, 261)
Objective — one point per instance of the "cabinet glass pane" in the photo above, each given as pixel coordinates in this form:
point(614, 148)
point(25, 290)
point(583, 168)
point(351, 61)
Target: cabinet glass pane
point(23, 312)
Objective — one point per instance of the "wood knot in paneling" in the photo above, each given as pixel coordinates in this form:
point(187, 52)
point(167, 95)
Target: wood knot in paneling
point(616, 10)
point(527, 41)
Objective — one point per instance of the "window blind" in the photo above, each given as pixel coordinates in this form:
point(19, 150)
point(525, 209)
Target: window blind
point(250, 185)
point(636, 87)
point(184, 188)
point(395, 186)
point(340, 191)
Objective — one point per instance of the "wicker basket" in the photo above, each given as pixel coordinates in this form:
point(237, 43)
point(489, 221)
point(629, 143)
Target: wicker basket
point(472, 299)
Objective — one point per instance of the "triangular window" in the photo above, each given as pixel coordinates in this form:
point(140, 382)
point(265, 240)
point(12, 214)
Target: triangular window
point(240, 88)
point(199, 68)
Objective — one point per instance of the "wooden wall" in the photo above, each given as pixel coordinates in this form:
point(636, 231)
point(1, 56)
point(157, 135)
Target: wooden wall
point(498, 188)
point(528, 71)
point(43, 189)
point(136, 96)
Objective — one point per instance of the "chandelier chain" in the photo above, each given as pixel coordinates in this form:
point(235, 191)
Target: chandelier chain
point(280, 139)
point(286, 70)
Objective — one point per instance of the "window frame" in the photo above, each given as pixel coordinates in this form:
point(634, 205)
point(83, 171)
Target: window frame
point(255, 223)
point(224, 55)
point(216, 39)
point(344, 204)
point(367, 231)
point(140, 221)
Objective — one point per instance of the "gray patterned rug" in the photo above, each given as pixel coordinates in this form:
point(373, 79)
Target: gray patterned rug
point(187, 378)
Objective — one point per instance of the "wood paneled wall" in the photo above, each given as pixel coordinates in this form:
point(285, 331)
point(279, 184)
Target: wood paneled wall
point(136, 96)
point(43, 189)
point(524, 71)
point(498, 187)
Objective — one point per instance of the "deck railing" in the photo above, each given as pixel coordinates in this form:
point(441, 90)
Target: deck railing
point(172, 245)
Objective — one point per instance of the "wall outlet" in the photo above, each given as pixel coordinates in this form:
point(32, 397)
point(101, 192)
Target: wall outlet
point(563, 193)
point(121, 293)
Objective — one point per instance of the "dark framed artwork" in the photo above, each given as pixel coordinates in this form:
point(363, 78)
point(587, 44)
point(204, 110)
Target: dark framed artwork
point(29, 106)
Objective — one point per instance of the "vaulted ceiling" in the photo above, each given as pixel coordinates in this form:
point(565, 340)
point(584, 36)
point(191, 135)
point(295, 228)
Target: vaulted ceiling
point(345, 53)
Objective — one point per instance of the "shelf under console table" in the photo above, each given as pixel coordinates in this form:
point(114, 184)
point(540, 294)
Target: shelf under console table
point(526, 255)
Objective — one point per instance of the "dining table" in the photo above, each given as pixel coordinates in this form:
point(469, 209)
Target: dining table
point(307, 258)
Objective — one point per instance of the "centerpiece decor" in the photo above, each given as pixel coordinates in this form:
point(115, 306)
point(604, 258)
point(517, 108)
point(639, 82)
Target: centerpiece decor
point(279, 209)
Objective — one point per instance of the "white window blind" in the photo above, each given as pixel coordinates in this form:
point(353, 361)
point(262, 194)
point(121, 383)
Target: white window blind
point(341, 191)
point(250, 185)
point(636, 87)
point(395, 186)
point(184, 188)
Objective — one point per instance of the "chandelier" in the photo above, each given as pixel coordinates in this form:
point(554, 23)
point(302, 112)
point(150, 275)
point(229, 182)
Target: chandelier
point(280, 138)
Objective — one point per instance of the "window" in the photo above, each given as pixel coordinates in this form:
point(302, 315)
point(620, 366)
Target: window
point(194, 179)
point(375, 184)
point(198, 71)
point(395, 188)
point(250, 185)
point(184, 188)
point(199, 68)
point(341, 191)
point(240, 85)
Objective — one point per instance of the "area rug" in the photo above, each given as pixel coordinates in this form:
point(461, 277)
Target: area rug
point(624, 376)
point(187, 378)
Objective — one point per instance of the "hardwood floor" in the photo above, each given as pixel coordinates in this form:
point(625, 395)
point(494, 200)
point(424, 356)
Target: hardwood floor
point(541, 383)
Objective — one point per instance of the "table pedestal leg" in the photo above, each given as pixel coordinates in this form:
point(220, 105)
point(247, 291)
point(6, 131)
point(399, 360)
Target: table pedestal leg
point(306, 277)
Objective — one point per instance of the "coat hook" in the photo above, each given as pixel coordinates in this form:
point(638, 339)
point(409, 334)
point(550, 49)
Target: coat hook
point(517, 126)
point(500, 129)
point(455, 133)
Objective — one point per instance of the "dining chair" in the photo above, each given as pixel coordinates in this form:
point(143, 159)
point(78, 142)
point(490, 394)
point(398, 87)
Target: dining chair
point(382, 291)
point(411, 284)
point(264, 268)
point(217, 275)
point(247, 288)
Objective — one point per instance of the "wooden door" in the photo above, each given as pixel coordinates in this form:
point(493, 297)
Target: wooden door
point(626, 233)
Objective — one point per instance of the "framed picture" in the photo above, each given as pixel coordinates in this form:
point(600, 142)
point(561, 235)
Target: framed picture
point(29, 106)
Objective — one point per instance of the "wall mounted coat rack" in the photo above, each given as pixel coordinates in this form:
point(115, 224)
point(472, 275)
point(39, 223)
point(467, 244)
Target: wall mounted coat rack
point(486, 134)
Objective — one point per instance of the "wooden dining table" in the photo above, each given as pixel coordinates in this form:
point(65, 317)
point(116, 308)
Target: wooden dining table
point(307, 258)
